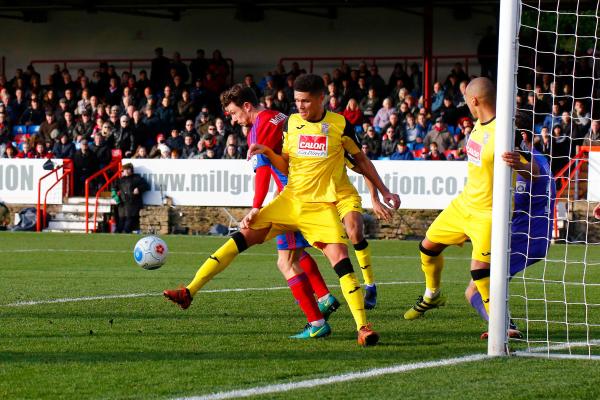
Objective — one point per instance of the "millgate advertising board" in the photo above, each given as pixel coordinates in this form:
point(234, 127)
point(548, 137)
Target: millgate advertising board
point(230, 183)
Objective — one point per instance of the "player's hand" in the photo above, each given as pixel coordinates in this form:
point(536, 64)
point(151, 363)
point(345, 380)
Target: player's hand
point(381, 211)
point(597, 212)
point(247, 220)
point(392, 200)
point(136, 191)
point(255, 149)
point(513, 160)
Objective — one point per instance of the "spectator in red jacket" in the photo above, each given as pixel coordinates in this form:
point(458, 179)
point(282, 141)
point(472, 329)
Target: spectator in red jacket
point(353, 113)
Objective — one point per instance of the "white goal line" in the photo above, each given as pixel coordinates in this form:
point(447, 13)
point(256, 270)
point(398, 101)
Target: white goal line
point(351, 376)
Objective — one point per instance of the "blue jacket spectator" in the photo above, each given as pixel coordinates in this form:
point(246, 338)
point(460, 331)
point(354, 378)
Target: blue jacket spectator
point(402, 152)
point(437, 97)
point(64, 148)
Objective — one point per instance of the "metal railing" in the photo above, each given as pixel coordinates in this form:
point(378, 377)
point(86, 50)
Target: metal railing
point(114, 165)
point(68, 182)
point(567, 174)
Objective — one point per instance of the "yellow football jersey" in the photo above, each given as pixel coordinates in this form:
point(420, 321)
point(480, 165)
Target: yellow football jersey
point(477, 193)
point(316, 156)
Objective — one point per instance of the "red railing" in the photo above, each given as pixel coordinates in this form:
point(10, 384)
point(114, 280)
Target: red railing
point(566, 175)
point(129, 62)
point(114, 165)
point(68, 181)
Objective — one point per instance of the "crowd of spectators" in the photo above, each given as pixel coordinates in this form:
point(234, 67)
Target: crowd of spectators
point(173, 112)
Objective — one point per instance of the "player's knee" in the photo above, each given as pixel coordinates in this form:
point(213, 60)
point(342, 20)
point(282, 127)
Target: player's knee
point(285, 265)
point(343, 267)
point(356, 236)
point(240, 241)
point(425, 249)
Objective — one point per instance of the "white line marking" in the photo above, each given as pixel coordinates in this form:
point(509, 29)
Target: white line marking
point(351, 376)
point(134, 295)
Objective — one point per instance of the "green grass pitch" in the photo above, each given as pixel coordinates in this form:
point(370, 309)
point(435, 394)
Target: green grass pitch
point(146, 348)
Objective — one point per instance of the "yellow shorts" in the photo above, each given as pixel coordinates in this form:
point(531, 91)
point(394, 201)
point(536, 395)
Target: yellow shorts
point(457, 223)
point(319, 223)
point(348, 204)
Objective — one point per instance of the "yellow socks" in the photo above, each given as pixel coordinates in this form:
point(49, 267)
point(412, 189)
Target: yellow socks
point(432, 264)
point(352, 291)
point(217, 262)
point(481, 278)
point(363, 255)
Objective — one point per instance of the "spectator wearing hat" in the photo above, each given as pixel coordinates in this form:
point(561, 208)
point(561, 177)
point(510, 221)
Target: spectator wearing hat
point(85, 164)
point(156, 149)
point(440, 135)
point(48, 126)
point(64, 147)
point(84, 127)
point(127, 193)
point(402, 153)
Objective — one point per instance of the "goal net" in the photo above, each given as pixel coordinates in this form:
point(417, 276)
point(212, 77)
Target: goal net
point(555, 301)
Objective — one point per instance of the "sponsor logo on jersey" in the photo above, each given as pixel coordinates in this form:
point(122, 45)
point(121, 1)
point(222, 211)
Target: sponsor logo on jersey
point(325, 128)
point(300, 126)
point(474, 151)
point(254, 162)
point(521, 187)
point(312, 146)
point(277, 119)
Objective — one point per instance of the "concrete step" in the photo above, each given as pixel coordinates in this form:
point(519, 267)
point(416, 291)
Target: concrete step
point(81, 200)
point(69, 225)
point(64, 231)
point(61, 216)
point(80, 208)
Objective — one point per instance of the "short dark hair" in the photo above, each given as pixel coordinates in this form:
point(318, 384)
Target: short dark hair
point(238, 95)
point(309, 83)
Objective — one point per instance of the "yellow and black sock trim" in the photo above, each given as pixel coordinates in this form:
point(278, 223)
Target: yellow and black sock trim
point(361, 245)
point(428, 252)
point(344, 267)
point(240, 241)
point(478, 274)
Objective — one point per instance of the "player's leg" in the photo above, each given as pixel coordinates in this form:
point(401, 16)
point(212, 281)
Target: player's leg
point(478, 226)
point(301, 289)
point(295, 241)
point(445, 230)
point(354, 224)
point(216, 263)
point(337, 254)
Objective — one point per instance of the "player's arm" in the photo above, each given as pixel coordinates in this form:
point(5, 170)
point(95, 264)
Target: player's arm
point(528, 169)
point(379, 208)
point(279, 161)
point(350, 143)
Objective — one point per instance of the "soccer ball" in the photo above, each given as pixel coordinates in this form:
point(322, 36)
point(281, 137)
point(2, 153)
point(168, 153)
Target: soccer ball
point(150, 252)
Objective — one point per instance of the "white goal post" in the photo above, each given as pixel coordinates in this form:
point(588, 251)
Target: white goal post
point(555, 302)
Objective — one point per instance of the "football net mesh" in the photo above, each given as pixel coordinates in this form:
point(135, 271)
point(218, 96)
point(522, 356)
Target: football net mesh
point(556, 302)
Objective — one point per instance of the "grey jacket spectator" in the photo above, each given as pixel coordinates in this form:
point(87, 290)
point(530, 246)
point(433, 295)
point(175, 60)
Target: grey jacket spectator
point(440, 135)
